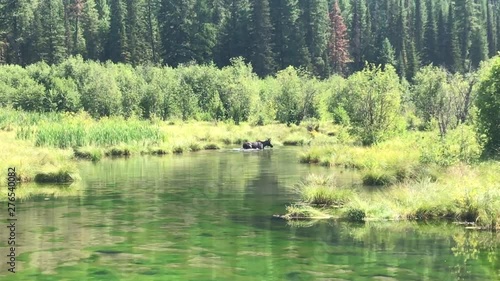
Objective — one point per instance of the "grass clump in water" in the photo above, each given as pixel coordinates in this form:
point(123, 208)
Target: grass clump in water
point(354, 214)
point(321, 190)
point(54, 177)
point(92, 153)
point(378, 177)
point(303, 211)
point(211, 146)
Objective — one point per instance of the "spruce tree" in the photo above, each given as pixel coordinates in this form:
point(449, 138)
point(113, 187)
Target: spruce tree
point(430, 36)
point(490, 29)
point(151, 25)
point(90, 26)
point(419, 23)
point(388, 55)
point(316, 24)
point(441, 38)
point(452, 58)
point(479, 46)
point(78, 44)
point(175, 17)
point(234, 39)
point(17, 30)
point(135, 30)
point(289, 44)
point(464, 18)
point(203, 34)
point(358, 36)
point(261, 56)
point(117, 48)
point(50, 31)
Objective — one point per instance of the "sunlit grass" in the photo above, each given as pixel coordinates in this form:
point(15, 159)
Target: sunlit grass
point(26, 191)
point(319, 190)
point(460, 193)
point(30, 160)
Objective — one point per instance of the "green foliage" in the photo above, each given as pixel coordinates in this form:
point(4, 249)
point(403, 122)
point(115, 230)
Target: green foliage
point(459, 145)
point(58, 177)
point(106, 132)
point(372, 99)
point(319, 190)
point(488, 103)
point(354, 214)
point(296, 99)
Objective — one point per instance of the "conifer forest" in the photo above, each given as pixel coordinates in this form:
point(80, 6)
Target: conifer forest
point(324, 37)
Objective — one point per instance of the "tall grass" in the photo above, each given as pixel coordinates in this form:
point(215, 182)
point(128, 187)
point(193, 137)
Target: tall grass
point(319, 190)
point(105, 132)
point(460, 193)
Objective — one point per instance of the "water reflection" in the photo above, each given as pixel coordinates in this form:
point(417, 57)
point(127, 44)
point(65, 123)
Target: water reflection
point(207, 216)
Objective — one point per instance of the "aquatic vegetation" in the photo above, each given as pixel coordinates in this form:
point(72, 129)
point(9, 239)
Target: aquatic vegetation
point(461, 193)
point(211, 146)
point(57, 177)
point(88, 152)
point(37, 164)
point(82, 131)
point(378, 177)
point(317, 190)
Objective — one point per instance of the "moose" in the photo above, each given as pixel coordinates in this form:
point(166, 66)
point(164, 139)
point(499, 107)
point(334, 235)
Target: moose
point(257, 145)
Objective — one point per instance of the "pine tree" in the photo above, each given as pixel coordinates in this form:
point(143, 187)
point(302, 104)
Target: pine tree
point(490, 28)
point(441, 42)
point(464, 19)
point(90, 26)
point(203, 34)
point(16, 26)
point(134, 30)
point(117, 48)
point(338, 45)
point(234, 39)
point(419, 22)
point(479, 46)
point(451, 57)
point(388, 55)
point(358, 36)
point(50, 31)
point(261, 31)
point(289, 44)
point(430, 36)
point(315, 21)
point(175, 18)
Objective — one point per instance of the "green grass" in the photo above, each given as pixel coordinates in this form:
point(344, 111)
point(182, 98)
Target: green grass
point(82, 131)
point(317, 190)
point(461, 193)
point(57, 177)
point(89, 152)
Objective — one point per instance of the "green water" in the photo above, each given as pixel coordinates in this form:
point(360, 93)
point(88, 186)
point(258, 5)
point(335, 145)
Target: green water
point(207, 216)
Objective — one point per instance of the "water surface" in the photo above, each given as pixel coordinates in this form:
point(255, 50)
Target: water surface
point(207, 216)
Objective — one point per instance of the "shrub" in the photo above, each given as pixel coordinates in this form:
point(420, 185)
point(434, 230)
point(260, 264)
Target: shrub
point(354, 215)
point(488, 103)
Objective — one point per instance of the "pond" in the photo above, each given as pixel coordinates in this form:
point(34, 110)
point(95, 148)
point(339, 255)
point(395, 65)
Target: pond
point(208, 216)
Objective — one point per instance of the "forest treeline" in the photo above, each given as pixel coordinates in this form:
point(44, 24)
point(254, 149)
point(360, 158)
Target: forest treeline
point(320, 36)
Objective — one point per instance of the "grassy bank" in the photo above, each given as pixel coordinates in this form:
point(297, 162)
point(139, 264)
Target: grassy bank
point(463, 193)
point(418, 175)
